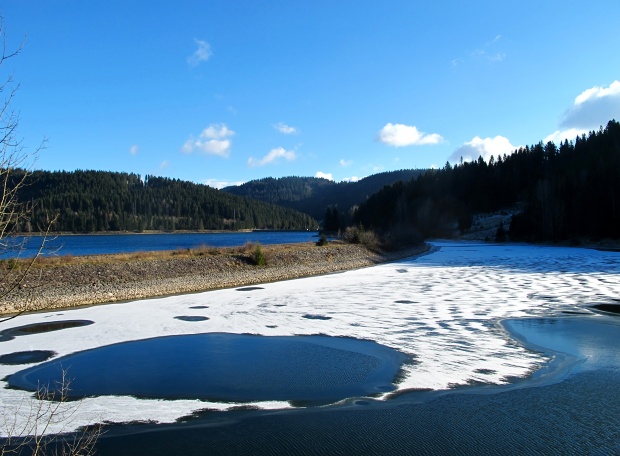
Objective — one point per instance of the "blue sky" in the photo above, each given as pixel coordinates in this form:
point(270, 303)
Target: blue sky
point(222, 92)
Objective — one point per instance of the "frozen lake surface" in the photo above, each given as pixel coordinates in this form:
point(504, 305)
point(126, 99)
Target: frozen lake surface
point(444, 310)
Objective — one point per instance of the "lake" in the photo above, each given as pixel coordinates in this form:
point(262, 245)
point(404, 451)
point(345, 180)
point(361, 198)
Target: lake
point(99, 244)
point(573, 410)
point(508, 350)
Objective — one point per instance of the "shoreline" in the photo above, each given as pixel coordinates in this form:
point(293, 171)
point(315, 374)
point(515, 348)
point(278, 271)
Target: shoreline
point(128, 278)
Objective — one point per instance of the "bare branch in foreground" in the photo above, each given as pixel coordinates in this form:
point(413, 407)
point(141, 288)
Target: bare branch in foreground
point(27, 429)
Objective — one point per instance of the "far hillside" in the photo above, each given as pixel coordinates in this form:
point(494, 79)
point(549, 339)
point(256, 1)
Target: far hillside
point(95, 201)
point(314, 196)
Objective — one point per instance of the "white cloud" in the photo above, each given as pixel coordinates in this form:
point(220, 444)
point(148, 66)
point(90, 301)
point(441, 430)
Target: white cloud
point(322, 175)
point(213, 140)
point(598, 92)
point(219, 184)
point(345, 163)
point(133, 150)
point(486, 148)
point(286, 129)
point(593, 107)
point(351, 179)
point(165, 164)
point(217, 131)
point(559, 136)
point(201, 54)
point(273, 156)
point(399, 135)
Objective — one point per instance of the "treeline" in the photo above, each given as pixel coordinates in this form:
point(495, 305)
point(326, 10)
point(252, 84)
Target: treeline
point(566, 192)
point(563, 192)
point(92, 201)
point(313, 195)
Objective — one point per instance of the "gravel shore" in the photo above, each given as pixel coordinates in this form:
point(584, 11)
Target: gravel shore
point(84, 283)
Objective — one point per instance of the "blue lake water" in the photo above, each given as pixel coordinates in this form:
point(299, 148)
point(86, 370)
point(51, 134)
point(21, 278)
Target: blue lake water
point(98, 244)
point(578, 416)
point(573, 408)
point(568, 414)
point(223, 367)
point(591, 343)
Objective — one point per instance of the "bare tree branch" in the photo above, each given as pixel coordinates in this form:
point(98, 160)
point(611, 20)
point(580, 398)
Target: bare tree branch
point(15, 170)
point(27, 428)
point(31, 427)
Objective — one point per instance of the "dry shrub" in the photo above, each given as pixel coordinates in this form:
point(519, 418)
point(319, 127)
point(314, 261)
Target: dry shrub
point(401, 236)
point(247, 248)
point(358, 235)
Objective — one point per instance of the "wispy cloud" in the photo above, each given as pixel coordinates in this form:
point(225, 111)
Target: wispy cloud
point(213, 140)
point(274, 155)
point(286, 129)
point(488, 56)
point(201, 54)
point(165, 164)
point(486, 148)
point(344, 163)
point(133, 150)
point(322, 175)
point(399, 135)
point(489, 52)
point(219, 184)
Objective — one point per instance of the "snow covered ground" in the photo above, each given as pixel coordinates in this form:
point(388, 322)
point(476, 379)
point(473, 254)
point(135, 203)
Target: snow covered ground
point(443, 309)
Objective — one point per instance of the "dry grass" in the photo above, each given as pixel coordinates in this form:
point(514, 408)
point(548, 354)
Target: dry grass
point(57, 261)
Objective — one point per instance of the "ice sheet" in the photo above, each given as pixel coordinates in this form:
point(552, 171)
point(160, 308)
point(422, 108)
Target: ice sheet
point(443, 309)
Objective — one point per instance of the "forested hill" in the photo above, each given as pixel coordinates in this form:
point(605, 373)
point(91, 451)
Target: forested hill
point(91, 201)
point(567, 192)
point(314, 195)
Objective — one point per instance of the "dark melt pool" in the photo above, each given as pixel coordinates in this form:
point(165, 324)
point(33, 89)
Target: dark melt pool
point(191, 318)
point(26, 357)
point(37, 328)
point(304, 370)
point(611, 308)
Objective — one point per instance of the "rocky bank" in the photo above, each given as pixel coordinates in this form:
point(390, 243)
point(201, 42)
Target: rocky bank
point(72, 284)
